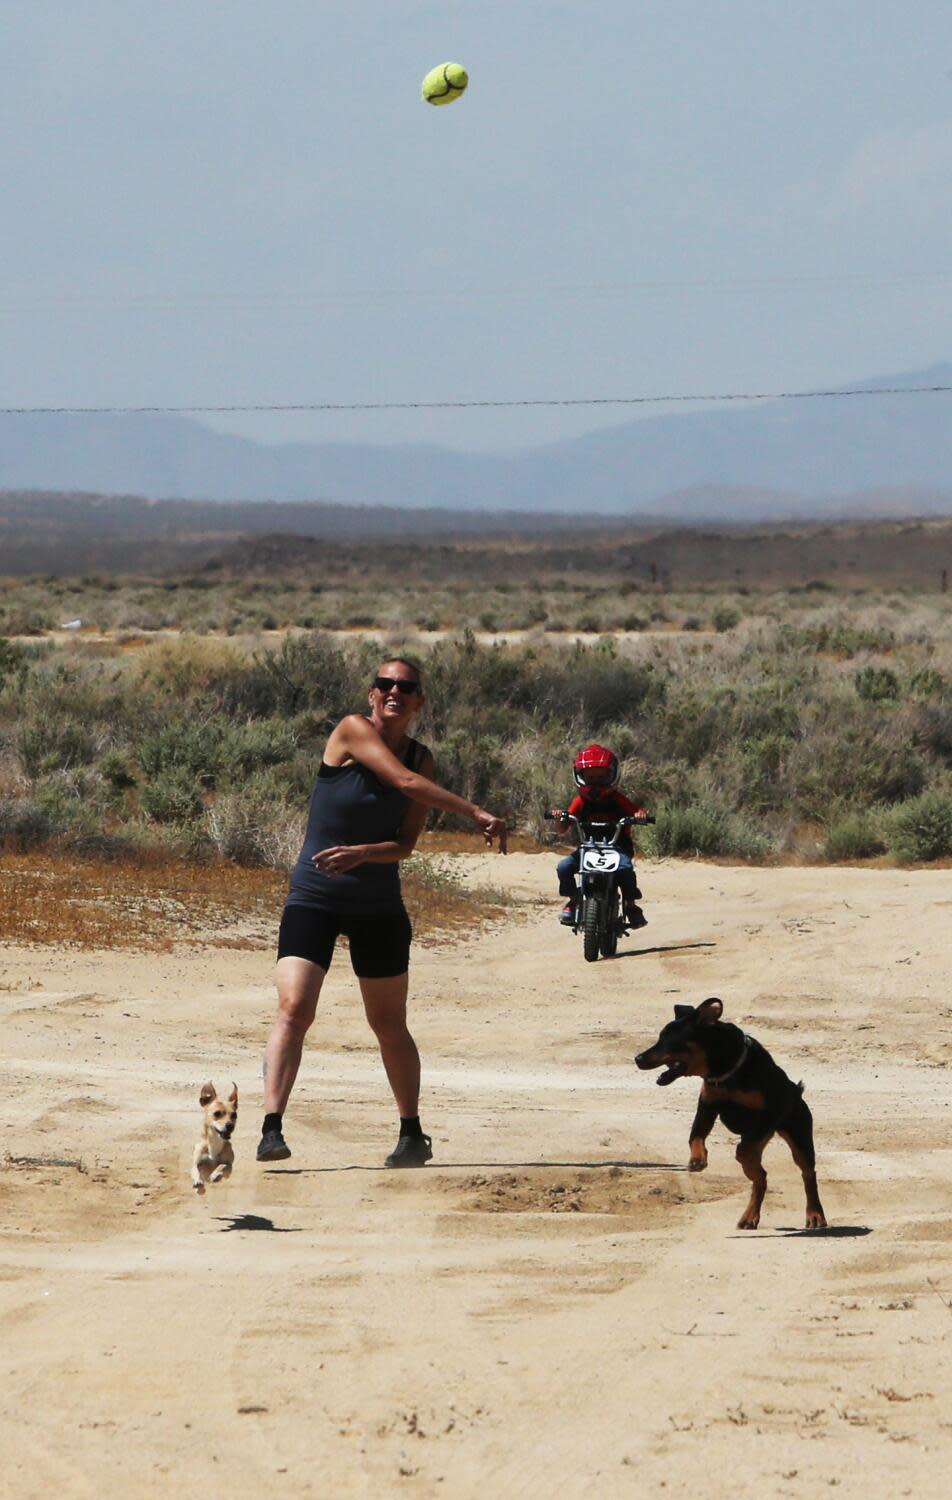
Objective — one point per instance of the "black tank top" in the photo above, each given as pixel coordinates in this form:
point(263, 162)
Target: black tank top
point(350, 805)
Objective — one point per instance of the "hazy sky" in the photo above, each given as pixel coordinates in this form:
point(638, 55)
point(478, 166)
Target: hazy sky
point(222, 201)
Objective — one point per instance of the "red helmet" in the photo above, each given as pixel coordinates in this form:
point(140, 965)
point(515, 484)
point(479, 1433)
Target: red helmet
point(596, 770)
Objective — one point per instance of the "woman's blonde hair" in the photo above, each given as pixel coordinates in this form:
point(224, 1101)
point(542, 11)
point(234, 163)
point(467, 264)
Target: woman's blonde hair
point(406, 661)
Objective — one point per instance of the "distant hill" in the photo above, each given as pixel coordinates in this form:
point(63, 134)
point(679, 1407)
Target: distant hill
point(73, 535)
point(862, 455)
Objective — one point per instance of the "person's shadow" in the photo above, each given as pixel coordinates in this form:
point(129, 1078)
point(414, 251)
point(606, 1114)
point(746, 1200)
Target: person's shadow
point(479, 1166)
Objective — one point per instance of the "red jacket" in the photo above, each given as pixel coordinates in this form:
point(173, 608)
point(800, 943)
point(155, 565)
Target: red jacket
point(606, 807)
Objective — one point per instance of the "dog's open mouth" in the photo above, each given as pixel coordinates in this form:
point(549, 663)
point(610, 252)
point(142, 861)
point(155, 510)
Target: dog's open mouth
point(676, 1070)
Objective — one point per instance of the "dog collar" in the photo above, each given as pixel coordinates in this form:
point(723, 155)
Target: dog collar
point(748, 1041)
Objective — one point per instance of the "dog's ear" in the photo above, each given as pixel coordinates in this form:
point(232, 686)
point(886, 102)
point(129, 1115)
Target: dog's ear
point(709, 1011)
point(233, 1096)
point(682, 1012)
point(207, 1094)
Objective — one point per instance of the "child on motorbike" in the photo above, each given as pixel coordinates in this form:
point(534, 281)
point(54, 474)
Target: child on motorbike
point(596, 776)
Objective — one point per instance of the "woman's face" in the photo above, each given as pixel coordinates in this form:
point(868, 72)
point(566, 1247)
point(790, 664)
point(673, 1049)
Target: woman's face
point(396, 694)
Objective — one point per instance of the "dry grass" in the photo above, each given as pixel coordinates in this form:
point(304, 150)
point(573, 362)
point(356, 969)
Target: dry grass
point(52, 899)
point(90, 903)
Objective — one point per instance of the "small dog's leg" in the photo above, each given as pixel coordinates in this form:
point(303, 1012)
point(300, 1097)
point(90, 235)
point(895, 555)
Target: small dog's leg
point(799, 1137)
point(223, 1170)
point(749, 1155)
point(700, 1130)
point(199, 1169)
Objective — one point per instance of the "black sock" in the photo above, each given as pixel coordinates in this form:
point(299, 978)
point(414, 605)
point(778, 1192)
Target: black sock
point(412, 1128)
point(271, 1122)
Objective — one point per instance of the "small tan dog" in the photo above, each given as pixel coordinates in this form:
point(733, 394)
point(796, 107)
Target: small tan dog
point(214, 1157)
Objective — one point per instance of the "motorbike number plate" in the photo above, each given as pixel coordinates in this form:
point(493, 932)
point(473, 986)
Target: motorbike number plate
point(600, 861)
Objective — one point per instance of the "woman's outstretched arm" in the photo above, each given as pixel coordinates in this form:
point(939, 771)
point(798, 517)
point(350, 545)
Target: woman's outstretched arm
point(356, 737)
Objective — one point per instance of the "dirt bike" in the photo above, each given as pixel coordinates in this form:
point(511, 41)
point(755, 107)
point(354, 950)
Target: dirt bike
point(599, 908)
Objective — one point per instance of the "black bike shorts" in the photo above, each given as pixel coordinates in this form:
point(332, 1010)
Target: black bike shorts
point(379, 945)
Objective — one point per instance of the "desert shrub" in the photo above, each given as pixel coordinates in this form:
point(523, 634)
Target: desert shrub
point(473, 766)
point(255, 826)
point(192, 747)
point(855, 835)
point(694, 828)
point(249, 748)
point(171, 795)
point(763, 761)
point(692, 722)
point(725, 617)
point(847, 637)
point(14, 661)
point(851, 754)
point(69, 800)
point(23, 824)
point(307, 672)
point(114, 769)
point(877, 684)
point(927, 683)
point(26, 621)
point(932, 730)
point(50, 745)
point(921, 829)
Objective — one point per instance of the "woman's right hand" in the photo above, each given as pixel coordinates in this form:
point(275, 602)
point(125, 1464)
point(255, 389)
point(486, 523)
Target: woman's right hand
point(492, 828)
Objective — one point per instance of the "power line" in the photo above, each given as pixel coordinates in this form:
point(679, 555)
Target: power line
point(717, 398)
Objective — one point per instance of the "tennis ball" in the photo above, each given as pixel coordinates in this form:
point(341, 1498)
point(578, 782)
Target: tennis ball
point(444, 84)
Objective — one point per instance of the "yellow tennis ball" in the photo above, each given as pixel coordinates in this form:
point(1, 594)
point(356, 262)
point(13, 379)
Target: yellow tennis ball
point(444, 84)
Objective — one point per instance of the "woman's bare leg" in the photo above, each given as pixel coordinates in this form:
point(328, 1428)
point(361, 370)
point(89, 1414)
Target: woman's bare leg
point(299, 985)
point(385, 1002)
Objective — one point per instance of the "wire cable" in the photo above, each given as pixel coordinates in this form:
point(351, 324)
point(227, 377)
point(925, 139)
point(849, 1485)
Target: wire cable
point(717, 398)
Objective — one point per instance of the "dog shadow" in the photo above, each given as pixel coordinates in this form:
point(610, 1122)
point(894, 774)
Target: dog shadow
point(667, 948)
point(250, 1221)
point(788, 1232)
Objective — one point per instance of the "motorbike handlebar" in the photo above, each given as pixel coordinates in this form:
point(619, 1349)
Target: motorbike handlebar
point(561, 815)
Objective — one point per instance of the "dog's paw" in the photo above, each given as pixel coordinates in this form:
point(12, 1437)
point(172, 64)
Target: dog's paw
point(697, 1164)
point(815, 1221)
point(749, 1221)
point(199, 1187)
point(218, 1174)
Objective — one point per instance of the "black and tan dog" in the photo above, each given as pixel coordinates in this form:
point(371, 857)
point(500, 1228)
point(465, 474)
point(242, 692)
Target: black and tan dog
point(744, 1087)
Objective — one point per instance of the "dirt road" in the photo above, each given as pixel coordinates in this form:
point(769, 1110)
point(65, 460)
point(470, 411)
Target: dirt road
point(553, 1306)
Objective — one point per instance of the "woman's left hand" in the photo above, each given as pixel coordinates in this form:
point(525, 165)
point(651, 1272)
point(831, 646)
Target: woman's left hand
point(339, 859)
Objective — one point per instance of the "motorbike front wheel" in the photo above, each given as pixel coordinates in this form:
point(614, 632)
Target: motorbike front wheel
point(590, 933)
point(608, 940)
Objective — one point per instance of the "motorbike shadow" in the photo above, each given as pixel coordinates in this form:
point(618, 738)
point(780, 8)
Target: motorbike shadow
point(665, 948)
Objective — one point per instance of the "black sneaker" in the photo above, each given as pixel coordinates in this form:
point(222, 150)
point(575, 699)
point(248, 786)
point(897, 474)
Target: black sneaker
point(410, 1151)
point(273, 1147)
point(567, 914)
point(635, 917)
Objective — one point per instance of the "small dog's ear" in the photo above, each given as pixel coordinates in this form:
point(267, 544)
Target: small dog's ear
point(207, 1094)
point(709, 1011)
point(233, 1096)
point(681, 1012)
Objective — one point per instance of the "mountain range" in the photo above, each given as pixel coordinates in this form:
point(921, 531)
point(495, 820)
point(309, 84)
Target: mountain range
point(864, 455)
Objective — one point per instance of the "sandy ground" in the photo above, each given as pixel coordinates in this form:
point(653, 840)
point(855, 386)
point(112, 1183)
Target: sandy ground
point(553, 1306)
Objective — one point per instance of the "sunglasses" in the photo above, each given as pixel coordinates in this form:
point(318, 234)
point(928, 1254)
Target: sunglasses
point(406, 685)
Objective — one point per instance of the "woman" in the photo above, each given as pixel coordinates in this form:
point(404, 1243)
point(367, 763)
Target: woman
point(368, 808)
